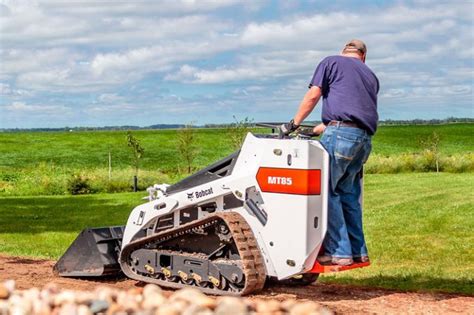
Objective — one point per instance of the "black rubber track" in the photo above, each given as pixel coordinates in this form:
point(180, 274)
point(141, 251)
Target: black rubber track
point(251, 259)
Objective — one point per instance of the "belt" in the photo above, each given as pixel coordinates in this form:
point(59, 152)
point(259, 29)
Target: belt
point(343, 124)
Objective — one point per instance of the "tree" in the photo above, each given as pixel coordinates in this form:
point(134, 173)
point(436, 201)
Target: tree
point(238, 130)
point(186, 145)
point(431, 146)
point(138, 152)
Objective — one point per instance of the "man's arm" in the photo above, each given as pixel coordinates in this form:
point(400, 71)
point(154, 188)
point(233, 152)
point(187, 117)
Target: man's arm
point(308, 103)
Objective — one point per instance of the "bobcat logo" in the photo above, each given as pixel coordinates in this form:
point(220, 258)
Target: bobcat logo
point(191, 196)
point(199, 194)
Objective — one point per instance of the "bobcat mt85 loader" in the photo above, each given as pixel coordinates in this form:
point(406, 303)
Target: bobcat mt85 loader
point(258, 214)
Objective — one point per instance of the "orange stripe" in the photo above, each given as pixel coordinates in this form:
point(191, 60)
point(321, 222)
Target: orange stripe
point(318, 268)
point(289, 181)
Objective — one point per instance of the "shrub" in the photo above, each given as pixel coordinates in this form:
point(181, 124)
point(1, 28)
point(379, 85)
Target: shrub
point(431, 152)
point(427, 161)
point(408, 162)
point(115, 186)
point(458, 163)
point(9, 177)
point(5, 186)
point(78, 185)
point(121, 180)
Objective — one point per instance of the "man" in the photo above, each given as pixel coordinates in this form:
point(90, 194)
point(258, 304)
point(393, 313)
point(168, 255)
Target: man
point(349, 90)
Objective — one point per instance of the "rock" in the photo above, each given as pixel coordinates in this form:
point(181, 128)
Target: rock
point(128, 301)
point(19, 306)
point(195, 309)
point(270, 306)
point(287, 304)
point(10, 285)
point(153, 299)
point(307, 308)
point(149, 300)
point(85, 298)
point(151, 289)
point(152, 296)
point(230, 305)
point(66, 296)
point(68, 309)
point(3, 307)
point(135, 291)
point(32, 294)
point(4, 293)
point(105, 293)
point(114, 309)
point(193, 296)
point(7, 288)
point(32, 297)
point(51, 288)
point(41, 307)
point(325, 311)
point(168, 309)
point(18, 310)
point(98, 306)
point(83, 310)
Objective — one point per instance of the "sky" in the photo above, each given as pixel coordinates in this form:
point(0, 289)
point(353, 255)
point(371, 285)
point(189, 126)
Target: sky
point(104, 63)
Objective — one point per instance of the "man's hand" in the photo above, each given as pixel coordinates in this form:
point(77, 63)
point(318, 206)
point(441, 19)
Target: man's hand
point(288, 128)
point(312, 132)
point(319, 129)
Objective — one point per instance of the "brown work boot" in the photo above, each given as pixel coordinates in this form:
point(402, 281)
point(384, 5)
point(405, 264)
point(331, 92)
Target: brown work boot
point(327, 260)
point(361, 259)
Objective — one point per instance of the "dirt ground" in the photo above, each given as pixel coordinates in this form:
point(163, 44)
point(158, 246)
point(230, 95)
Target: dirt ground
point(341, 299)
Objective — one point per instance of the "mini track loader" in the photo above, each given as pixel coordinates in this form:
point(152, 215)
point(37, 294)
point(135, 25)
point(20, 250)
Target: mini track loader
point(258, 214)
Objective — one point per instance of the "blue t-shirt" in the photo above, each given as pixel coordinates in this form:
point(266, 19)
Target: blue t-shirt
point(349, 90)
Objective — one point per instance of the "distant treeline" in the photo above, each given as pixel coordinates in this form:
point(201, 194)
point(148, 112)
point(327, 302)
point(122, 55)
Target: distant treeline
point(158, 126)
point(177, 126)
point(426, 121)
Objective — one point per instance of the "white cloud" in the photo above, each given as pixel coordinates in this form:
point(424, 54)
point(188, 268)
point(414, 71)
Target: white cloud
point(158, 58)
point(18, 61)
point(110, 98)
point(163, 7)
point(21, 107)
point(260, 67)
point(302, 31)
point(52, 77)
point(7, 90)
point(104, 24)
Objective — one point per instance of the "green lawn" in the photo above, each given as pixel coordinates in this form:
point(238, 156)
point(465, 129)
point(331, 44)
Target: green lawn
point(419, 229)
point(44, 226)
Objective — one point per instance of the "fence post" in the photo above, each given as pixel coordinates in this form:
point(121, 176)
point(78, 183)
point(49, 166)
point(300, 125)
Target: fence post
point(110, 166)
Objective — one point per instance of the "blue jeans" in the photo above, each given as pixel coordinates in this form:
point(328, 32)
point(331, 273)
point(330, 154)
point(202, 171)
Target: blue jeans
point(348, 150)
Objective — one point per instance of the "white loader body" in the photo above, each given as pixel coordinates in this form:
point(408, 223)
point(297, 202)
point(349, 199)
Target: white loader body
point(279, 186)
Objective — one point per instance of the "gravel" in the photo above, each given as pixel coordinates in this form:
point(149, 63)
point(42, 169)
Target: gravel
point(149, 300)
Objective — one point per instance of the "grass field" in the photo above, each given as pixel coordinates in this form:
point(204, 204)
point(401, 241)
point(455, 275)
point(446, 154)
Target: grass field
point(418, 228)
point(393, 140)
point(78, 150)
point(43, 163)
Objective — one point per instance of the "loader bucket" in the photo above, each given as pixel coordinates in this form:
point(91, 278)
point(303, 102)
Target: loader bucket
point(94, 253)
